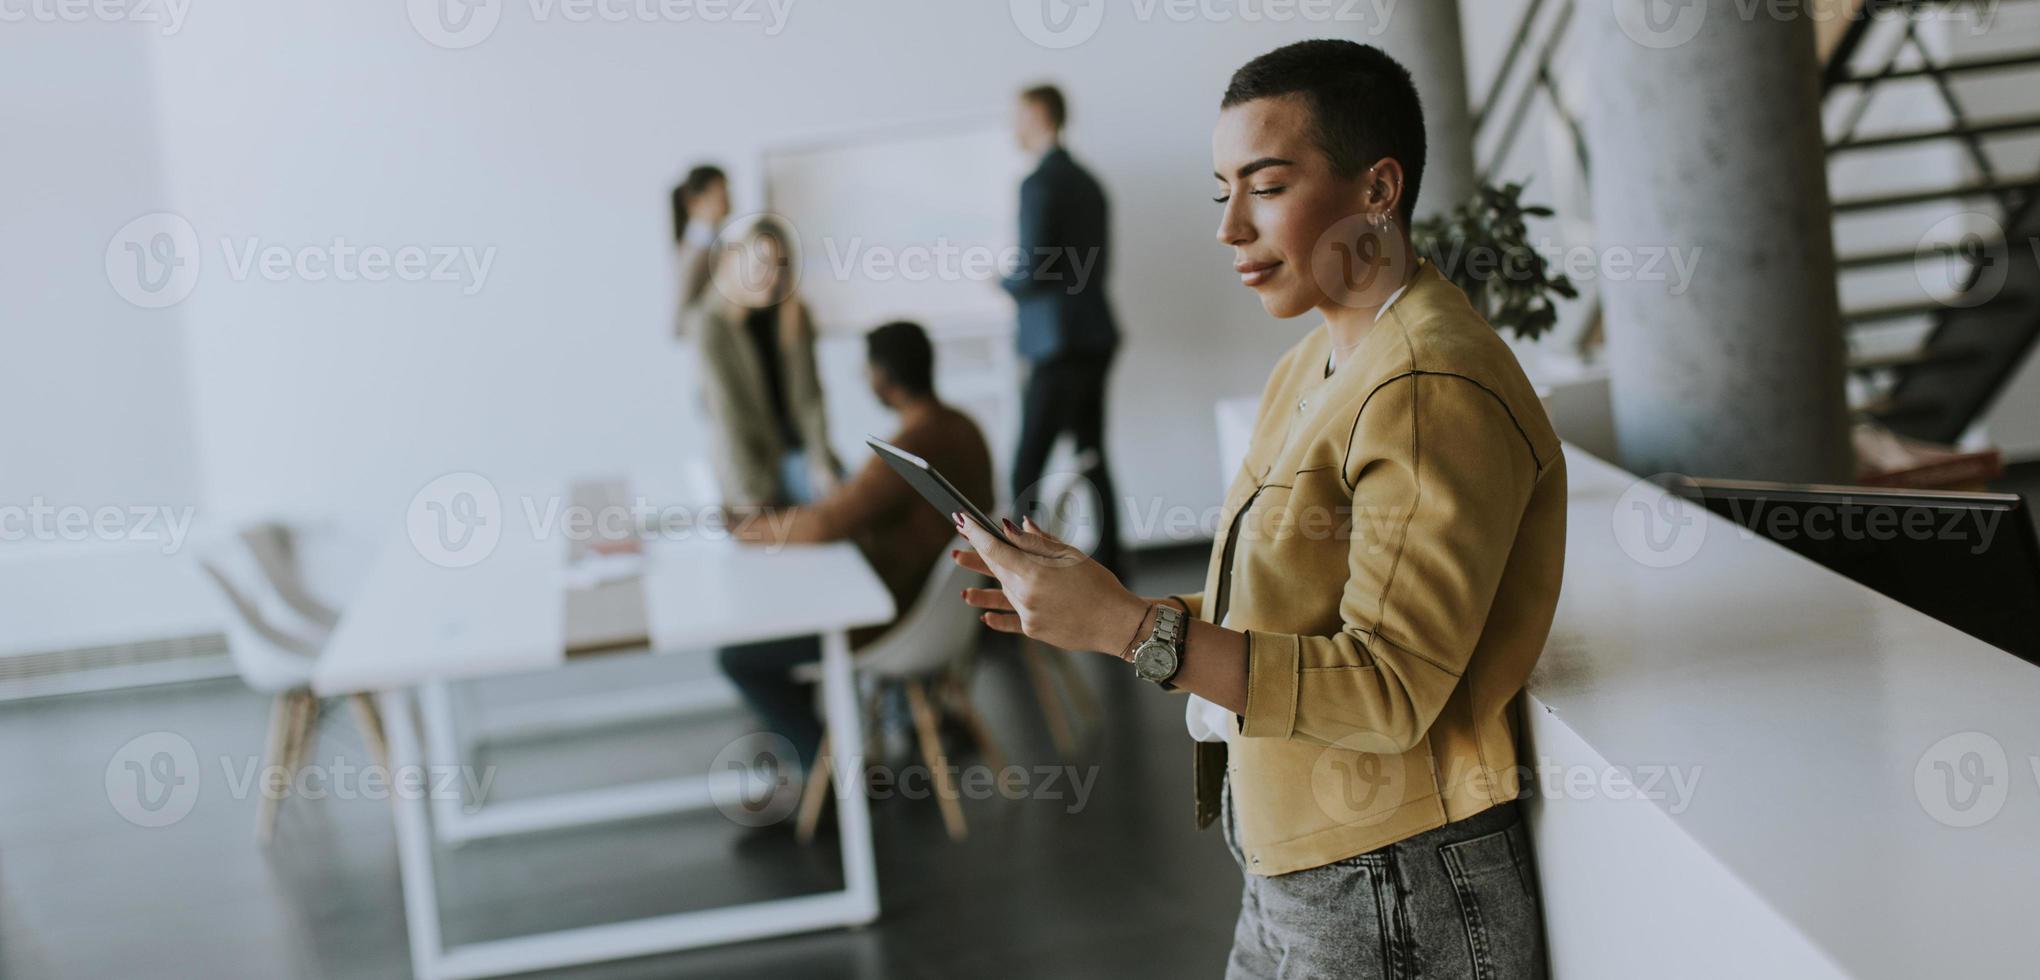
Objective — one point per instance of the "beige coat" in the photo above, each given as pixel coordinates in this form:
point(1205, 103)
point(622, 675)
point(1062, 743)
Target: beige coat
point(745, 443)
point(1392, 548)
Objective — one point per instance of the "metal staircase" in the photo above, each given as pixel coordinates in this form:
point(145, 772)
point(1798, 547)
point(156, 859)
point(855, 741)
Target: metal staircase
point(1966, 342)
point(1924, 362)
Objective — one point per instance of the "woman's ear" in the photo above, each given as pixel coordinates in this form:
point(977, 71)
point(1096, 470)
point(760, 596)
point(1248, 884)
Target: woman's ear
point(1384, 188)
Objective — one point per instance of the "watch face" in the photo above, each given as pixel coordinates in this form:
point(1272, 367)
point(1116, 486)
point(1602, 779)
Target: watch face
point(1155, 661)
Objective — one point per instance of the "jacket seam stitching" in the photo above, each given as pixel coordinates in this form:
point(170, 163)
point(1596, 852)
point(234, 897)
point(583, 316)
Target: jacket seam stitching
point(1353, 432)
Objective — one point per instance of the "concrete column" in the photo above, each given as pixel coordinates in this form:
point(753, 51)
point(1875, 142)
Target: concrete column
point(1705, 136)
point(1424, 35)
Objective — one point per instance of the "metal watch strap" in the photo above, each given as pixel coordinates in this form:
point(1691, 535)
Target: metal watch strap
point(1168, 625)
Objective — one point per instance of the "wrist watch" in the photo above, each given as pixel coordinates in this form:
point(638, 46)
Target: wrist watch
point(1160, 655)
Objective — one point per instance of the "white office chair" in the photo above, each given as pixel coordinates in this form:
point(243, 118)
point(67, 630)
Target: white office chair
point(933, 647)
point(1068, 497)
point(274, 636)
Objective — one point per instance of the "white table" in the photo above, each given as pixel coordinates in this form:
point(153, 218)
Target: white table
point(416, 624)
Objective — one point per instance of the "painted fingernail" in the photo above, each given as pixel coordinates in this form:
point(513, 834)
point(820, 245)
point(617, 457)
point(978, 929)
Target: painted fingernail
point(1010, 526)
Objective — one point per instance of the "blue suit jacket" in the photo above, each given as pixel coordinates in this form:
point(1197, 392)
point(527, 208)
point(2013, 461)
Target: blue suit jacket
point(1060, 284)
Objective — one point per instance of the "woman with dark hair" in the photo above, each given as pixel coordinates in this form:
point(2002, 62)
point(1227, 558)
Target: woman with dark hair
point(701, 203)
point(1385, 571)
point(762, 390)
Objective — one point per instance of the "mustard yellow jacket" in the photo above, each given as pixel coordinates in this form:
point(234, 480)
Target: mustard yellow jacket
point(1392, 548)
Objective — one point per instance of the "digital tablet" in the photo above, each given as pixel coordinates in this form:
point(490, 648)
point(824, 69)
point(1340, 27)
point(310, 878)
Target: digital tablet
point(931, 484)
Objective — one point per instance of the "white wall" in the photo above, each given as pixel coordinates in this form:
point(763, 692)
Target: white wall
point(555, 144)
point(92, 388)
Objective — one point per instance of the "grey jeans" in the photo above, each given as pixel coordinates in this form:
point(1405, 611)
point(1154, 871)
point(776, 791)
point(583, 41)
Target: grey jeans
point(1456, 902)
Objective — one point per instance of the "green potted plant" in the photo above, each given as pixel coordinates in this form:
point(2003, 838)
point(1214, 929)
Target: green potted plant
point(1484, 247)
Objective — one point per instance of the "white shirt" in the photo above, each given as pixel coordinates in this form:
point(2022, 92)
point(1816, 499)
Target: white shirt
point(1209, 722)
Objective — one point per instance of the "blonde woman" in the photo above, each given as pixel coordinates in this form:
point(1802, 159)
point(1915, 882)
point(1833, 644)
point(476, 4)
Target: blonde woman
point(762, 391)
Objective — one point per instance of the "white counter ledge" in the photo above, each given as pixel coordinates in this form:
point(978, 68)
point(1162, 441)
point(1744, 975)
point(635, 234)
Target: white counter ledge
point(1779, 714)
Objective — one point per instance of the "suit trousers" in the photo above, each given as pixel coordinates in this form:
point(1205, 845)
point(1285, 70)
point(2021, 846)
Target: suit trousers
point(1067, 395)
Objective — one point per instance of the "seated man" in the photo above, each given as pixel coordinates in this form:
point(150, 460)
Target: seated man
point(900, 535)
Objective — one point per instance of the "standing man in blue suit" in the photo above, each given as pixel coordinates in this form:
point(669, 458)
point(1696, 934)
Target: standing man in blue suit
point(1067, 334)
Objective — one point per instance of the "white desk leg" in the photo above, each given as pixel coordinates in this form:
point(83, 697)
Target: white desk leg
point(414, 838)
point(846, 744)
point(443, 747)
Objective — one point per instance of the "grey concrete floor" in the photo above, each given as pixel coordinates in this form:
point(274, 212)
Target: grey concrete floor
point(1125, 887)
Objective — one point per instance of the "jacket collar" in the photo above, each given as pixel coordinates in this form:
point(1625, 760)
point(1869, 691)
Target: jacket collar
point(1380, 351)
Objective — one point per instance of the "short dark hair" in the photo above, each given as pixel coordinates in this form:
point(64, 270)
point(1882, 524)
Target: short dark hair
point(699, 179)
point(1050, 99)
point(1364, 103)
point(902, 351)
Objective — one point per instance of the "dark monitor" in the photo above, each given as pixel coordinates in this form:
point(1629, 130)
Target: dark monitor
point(1967, 559)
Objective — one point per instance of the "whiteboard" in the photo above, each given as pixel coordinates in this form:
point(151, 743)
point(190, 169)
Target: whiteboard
point(903, 225)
